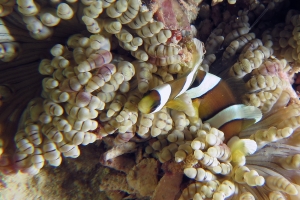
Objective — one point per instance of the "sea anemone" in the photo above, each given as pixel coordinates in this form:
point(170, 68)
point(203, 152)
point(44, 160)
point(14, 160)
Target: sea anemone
point(73, 73)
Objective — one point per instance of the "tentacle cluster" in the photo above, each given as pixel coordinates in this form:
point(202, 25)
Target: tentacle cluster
point(90, 91)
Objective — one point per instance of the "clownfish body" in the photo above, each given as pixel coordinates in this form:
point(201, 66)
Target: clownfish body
point(214, 100)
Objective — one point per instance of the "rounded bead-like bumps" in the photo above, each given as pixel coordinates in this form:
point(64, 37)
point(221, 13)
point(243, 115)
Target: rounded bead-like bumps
point(51, 154)
point(226, 189)
point(96, 60)
point(141, 20)
point(117, 8)
point(103, 76)
point(94, 9)
point(64, 11)
point(49, 17)
point(150, 29)
point(199, 174)
point(112, 26)
point(85, 99)
point(99, 42)
point(61, 124)
point(33, 132)
point(235, 34)
point(183, 151)
point(116, 105)
point(168, 152)
point(9, 51)
point(83, 125)
point(263, 137)
point(68, 150)
point(161, 37)
point(52, 108)
point(157, 51)
point(25, 146)
point(281, 184)
point(52, 133)
point(91, 24)
point(222, 168)
point(221, 152)
point(60, 62)
point(145, 124)
point(124, 36)
point(28, 7)
point(58, 96)
point(131, 12)
point(80, 113)
point(161, 123)
point(252, 178)
point(37, 158)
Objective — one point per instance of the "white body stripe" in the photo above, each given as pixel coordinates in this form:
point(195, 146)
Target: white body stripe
point(234, 112)
point(208, 83)
point(189, 80)
point(164, 91)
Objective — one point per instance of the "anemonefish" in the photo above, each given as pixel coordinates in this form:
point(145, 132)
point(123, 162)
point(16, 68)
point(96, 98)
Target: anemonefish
point(215, 101)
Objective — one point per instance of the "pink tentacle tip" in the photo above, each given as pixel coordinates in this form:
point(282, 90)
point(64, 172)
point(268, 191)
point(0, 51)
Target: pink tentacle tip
point(103, 57)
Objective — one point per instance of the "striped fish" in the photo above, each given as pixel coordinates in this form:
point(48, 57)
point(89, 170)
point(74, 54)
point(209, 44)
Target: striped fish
point(155, 99)
point(214, 100)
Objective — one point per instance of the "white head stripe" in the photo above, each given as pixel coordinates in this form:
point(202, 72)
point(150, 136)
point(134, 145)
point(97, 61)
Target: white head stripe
point(188, 82)
point(208, 83)
point(164, 92)
point(234, 112)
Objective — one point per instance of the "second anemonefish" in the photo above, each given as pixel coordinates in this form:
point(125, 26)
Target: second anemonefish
point(215, 101)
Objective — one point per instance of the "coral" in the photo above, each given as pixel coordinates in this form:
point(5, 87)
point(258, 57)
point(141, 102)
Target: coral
point(143, 177)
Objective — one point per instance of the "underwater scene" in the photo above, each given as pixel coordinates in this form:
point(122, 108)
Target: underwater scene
point(149, 100)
